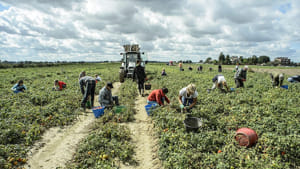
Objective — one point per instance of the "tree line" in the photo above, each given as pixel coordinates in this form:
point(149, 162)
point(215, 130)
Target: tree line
point(253, 60)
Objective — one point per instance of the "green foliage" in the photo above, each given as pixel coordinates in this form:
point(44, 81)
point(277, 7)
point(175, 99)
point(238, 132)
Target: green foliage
point(25, 116)
point(272, 112)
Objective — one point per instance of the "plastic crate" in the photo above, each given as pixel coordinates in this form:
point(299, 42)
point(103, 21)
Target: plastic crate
point(119, 109)
point(98, 111)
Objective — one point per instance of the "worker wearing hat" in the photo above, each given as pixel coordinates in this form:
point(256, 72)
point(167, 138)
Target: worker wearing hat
point(188, 97)
point(105, 97)
point(219, 82)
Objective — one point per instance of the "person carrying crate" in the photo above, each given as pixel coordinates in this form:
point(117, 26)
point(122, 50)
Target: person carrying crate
point(105, 96)
point(140, 75)
point(87, 87)
point(158, 96)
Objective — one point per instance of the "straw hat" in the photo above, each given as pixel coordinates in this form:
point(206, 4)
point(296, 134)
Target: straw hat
point(191, 88)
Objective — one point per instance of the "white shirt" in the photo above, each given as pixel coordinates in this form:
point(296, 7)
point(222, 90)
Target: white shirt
point(221, 79)
point(183, 92)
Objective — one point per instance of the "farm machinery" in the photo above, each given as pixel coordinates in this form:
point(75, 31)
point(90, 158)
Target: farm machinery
point(130, 56)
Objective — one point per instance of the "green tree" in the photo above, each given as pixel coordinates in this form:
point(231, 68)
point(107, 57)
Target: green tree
point(254, 60)
point(241, 59)
point(221, 58)
point(208, 60)
point(227, 60)
point(263, 59)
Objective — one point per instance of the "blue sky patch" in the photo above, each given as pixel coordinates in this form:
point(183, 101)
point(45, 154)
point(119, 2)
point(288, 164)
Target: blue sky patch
point(3, 8)
point(285, 8)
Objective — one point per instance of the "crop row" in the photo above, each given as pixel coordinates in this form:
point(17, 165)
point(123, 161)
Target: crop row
point(110, 143)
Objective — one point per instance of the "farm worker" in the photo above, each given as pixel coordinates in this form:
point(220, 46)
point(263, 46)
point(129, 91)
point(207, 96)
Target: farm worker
point(180, 66)
point(200, 68)
point(82, 74)
point(59, 85)
point(89, 84)
point(188, 96)
point(158, 96)
point(19, 87)
point(240, 76)
point(105, 96)
point(220, 68)
point(294, 79)
point(140, 75)
point(219, 81)
point(163, 73)
point(277, 79)
point(97, 78)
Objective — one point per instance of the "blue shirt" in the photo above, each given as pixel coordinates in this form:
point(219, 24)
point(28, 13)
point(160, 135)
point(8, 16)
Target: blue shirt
point(16, 87)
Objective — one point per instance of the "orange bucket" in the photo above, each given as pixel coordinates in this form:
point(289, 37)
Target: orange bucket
point(246, 137)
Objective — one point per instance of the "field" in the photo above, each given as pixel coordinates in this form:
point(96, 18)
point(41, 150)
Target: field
point(272, 112)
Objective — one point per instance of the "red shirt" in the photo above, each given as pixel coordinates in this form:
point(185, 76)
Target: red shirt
point(61, 83)
point(156, 95)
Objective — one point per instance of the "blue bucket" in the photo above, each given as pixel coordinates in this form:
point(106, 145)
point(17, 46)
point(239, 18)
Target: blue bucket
point(150, 107)
point(98, 111)
point(284, 86)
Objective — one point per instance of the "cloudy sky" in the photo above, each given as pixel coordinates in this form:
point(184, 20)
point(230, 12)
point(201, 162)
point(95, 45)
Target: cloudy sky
point(95, 30)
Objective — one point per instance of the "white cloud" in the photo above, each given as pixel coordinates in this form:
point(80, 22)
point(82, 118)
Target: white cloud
point(177, 29)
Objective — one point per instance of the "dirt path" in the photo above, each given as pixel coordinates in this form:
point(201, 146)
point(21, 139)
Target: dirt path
point(57, 146)
point(290, 72)
point(144, 139)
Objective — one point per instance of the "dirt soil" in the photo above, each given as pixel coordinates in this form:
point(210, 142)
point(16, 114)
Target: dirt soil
point(144, 138)
point(57, 145)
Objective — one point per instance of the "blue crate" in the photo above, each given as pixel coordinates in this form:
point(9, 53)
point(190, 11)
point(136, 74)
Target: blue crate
point(284, 86)
point(150, 107)
point(98, 112)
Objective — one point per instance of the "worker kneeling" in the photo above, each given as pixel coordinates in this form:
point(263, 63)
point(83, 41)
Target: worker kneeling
point(59, 85)
point(158, 96)
point(105, 97)
point(219, 82)
point(188, 97)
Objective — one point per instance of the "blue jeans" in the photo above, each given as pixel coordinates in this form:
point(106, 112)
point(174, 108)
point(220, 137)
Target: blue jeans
point(186, 102)
point(152, 102)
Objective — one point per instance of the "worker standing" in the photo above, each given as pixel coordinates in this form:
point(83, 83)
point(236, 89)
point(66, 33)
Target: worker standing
point(180, 66)
point(87, 87)
point(240, 76)
point(188, 97)
point(140, 75)
point(220, 68)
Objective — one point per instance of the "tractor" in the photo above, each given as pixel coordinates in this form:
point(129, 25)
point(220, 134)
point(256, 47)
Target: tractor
point(130, 56)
